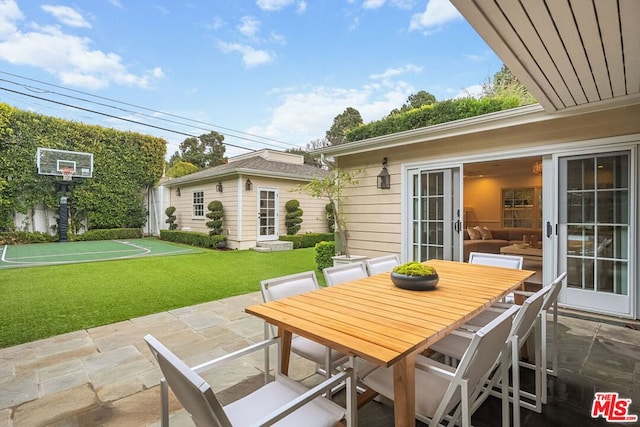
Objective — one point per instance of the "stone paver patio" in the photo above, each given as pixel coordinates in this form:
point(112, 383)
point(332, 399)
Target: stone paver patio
point(107, 376)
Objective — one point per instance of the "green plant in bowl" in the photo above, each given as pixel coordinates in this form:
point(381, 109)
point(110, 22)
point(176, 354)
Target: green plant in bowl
point(415, 276)
point(414, 268)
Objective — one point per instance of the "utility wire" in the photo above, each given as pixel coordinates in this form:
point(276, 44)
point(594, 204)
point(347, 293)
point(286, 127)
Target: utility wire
point(151, 110)
point(115, 117)
point(44, 91)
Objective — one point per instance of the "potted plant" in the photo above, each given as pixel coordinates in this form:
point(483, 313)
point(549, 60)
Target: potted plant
point(415, 276)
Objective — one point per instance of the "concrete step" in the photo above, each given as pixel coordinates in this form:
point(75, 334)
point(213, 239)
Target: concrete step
point(273, 246)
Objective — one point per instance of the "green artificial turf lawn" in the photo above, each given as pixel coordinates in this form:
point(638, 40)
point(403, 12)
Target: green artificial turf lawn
point(40, 302)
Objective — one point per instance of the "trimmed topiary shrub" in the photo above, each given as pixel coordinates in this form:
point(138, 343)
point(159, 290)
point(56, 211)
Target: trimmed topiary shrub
point(215, 214)
point(325, 251)
point(171, 220)
point(293, 218)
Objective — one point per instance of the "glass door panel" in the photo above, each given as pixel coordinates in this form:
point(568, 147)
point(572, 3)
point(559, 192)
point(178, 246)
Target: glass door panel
point(594, 231)
point(432, 217)
point(267, 214)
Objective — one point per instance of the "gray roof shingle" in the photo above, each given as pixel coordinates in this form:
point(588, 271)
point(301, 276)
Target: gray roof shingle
point(254, 166)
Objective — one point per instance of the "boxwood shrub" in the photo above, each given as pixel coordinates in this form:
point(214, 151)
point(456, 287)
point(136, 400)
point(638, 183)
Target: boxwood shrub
point(193, 238)
point(24, 237)
point(324, 253)
point(307, 240)
point(110, 234)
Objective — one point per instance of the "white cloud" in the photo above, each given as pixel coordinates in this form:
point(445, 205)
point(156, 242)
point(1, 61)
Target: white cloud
point(403, 4)
point(437, 13)
point(473, 91)
point(272, 5)
point(67, 16)
point(116, 3)
point(392, 72)
point(250, 56)
point(66, 56)
point(249, 26)
point(9, 15)
point(217, 23)
point(305, 114)
point(373, 4)
point(277, 38)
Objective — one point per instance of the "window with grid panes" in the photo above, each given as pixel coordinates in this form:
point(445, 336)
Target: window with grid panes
point(198, 204)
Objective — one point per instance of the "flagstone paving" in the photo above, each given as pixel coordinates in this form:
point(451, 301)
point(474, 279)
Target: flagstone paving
point(106, 376)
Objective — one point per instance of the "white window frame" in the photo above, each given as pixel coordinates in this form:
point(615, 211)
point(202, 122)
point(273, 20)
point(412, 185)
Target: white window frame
point(195, 205)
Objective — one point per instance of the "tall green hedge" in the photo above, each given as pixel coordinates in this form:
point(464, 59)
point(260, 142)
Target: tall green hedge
point(125, 165)
point(433, 114)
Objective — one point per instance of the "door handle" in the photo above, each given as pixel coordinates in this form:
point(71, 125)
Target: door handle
point(549, 229)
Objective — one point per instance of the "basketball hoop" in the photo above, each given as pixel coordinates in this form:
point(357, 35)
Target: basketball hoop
point(67, 174)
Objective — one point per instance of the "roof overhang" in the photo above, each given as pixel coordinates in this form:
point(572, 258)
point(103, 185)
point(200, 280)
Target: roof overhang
point(567, 53)
point(187, 179)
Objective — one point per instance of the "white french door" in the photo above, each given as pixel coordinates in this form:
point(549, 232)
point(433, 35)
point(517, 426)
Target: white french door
point(433, 208)
point(268, 218)
point(596, 225)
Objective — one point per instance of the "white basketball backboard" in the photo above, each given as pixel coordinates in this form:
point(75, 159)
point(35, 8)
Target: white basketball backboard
point(53, 162)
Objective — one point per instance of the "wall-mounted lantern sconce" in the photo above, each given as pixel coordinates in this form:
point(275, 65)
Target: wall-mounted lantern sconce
point(248, 185)
point(178, 191)
point(384, 180)
point(219, 187)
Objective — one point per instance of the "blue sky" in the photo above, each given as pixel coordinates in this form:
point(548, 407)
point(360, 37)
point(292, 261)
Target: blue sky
point(266, 73)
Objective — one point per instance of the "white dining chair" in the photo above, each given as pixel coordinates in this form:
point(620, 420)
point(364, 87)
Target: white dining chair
point(282, 400)
point(444, 393)
point(498, 260)
point(382, 264)
point(550, 307)
point(344, 273)
point(529, 319)
point(324, 357)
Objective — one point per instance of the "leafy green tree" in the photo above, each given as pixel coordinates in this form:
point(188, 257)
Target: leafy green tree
point(205, 151)
point(332, 188)
point(505, 84)
point(181, 169)
point(416, 100)
point(343, 123)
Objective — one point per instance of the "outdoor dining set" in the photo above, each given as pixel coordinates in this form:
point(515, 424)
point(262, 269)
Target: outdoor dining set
point(438, 355)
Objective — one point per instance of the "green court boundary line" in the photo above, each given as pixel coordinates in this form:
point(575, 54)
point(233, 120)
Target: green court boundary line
point(147, 252)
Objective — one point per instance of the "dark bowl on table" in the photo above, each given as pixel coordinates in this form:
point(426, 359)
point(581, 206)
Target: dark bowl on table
point(415, 283)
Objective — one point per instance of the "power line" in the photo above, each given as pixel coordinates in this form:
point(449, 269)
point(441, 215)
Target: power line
point(35, 89)
point(151, 110)
point(115, 117)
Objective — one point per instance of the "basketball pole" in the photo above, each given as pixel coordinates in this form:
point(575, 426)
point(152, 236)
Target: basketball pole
point(64, 214)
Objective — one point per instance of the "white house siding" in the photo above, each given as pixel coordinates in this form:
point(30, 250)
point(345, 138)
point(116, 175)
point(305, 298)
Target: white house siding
point(243, 235)
point(374, 215)
point(313, 217)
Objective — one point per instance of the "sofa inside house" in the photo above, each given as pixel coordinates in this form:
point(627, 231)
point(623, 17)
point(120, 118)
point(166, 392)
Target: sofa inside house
point(482, 239)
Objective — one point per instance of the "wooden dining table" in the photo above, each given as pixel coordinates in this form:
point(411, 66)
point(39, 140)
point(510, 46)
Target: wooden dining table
point(374, 320)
